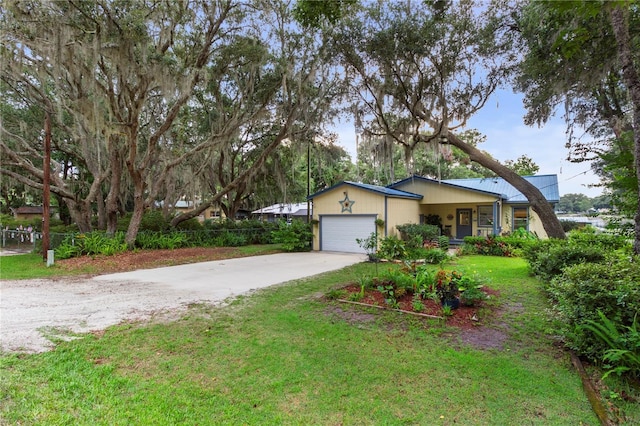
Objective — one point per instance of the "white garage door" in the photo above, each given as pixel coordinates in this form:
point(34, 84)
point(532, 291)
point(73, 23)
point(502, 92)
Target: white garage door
point(339, 233)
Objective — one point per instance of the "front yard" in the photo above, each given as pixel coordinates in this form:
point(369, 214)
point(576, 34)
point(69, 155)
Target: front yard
point(288, 355)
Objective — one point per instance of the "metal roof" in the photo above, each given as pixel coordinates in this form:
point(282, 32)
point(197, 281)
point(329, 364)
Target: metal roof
point(547, 184)
point(294, 209)
point(389, 192)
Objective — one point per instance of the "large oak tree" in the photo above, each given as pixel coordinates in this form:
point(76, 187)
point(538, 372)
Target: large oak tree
point(420, 72)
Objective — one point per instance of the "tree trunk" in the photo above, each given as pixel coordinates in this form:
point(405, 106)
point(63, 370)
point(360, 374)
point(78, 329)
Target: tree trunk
point(80, 212)
point(620, 24)
point(539, 203)
point(112, 204)
point(138, 212)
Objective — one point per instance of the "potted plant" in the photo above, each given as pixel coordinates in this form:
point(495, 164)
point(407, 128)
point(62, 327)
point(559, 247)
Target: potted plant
point(447, 288)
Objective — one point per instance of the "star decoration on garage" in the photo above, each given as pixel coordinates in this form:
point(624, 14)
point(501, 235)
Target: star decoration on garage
point(346, 204)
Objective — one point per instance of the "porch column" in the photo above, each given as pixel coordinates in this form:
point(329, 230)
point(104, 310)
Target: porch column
point(497, 226)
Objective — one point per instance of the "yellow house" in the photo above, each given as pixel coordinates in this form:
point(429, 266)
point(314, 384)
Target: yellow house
point(487, 206)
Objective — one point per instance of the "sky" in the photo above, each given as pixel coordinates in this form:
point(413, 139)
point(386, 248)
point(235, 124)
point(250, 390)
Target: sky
point(501, 121)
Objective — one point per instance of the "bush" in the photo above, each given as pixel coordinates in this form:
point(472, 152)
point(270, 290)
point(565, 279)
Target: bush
point(91, 243)
point(570, 225)
point(435, 256)
point(583, 290)
point(488, 246)
point(392, 248)
point(228, 238)
point(192, 224)
point(296, 236)
point(547, 258)
point(153, 220)
point(552, 261)
point(414, 231)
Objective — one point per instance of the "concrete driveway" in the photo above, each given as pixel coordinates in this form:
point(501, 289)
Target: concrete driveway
point(32, 310)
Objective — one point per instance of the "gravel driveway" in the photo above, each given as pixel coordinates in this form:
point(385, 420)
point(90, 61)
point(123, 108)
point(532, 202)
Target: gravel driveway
point(30, 310)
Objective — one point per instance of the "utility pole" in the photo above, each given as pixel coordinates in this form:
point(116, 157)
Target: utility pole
point(308, 181)
point(46, 170)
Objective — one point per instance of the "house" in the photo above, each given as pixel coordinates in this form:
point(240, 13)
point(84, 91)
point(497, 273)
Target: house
point(282, 211)
point(211, 212)
point(486, 206)
point(27, 212)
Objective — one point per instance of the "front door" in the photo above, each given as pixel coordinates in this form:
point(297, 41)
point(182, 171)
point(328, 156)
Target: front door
point(463, 223)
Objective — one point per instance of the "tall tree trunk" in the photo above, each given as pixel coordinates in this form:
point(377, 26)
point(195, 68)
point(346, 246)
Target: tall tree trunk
point(80, 212)
point(539, 203)
point(620, 24)
point(112, 202)
point(138, 210)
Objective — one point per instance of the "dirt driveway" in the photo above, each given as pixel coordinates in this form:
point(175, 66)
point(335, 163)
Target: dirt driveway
point(32, 310)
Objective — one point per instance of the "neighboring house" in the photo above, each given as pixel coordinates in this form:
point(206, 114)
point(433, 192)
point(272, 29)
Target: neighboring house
point(485, 206)
point(183, 206)
point(27, 212)
point(282, 211)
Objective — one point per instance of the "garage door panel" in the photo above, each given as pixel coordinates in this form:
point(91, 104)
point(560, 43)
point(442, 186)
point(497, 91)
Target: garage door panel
point(339, 233)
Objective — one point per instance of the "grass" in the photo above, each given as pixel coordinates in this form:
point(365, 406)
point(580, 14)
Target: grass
point(26, 266)
point(30, 266)
point(284, 356)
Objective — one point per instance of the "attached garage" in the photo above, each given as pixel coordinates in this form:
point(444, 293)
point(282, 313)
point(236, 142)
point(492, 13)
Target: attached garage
point(349, 211)
point(339, 233)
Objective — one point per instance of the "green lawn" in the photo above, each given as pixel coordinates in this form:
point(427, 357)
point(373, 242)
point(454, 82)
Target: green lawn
point(285, 356)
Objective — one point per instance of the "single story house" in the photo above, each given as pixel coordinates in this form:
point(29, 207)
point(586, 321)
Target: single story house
point(282, 211)
point(27, 212)
point(485, 206)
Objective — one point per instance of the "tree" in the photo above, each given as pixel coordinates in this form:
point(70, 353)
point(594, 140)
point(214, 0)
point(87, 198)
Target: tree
point(381, 161)
point(420, 73)
point(580, 55)
point(574, 203)
point(524, 166)
point(120, 80)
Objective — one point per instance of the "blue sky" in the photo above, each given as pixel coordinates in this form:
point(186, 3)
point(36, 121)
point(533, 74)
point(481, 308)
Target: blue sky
point(501, 120)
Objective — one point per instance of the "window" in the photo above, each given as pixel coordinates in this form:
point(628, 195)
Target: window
point(485, 216)
point(520, 218)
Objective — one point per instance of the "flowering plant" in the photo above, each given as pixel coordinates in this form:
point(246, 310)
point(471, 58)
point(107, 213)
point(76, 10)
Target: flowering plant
point(447, 285)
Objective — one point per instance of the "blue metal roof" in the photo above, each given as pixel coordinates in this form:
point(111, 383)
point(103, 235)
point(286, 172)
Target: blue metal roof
point(547, 184)
point(389, 192)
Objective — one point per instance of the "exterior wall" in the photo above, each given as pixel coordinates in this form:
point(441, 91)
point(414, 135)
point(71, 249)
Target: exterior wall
point(435, 193)
point(400, 211)
point(534, 225)
point(363, 203)
point(207, 214)
point(27, 216)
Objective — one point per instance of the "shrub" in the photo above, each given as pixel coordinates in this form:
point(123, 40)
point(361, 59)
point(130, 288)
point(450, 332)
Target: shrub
point(296, 236)
point(91, 243)
point(192, 224)
point(435, 256)
point(547, 258)
point(392, 248)
point(443, 242)
point(570, 225)
point(551, 262)
point(472, 296)
point(583, 290)
point(228, 238)
point(423, 232)
point(489, 246)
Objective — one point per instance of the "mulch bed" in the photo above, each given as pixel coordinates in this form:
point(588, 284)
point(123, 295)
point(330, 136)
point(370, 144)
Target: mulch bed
point(144, 259)
point(464, 318)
